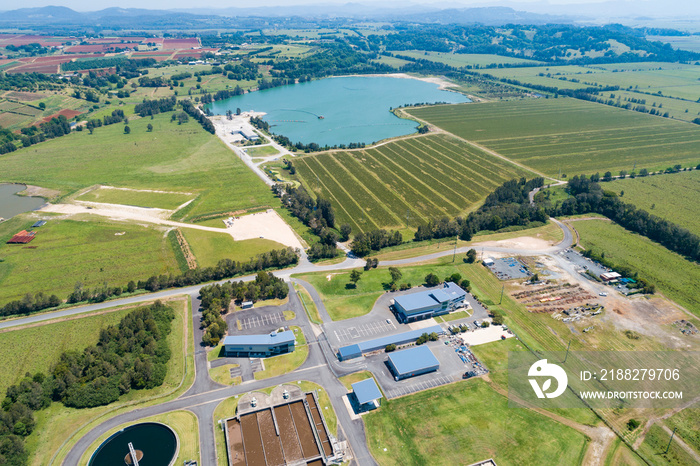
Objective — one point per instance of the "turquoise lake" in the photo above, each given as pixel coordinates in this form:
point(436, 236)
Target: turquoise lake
point(354, 108)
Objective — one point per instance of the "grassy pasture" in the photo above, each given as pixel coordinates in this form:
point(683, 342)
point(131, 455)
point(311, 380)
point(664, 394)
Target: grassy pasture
point(676, 108)
point(182, 158)
point(672, 197)
point(462, 59)
point(159, 200)
point(654, 449)
point(674, 276)
point(406, 182)
point(688, 424)
point(690, 43)
point(463, 423)
point(571, 136)
point(65, 335)
point(261, 151)
point(70, 251)
point(210, 247)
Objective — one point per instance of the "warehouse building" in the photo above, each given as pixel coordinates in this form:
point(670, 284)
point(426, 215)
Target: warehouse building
point(414, 361)
point(259, 346)
point(426, 304)
point(358, 349)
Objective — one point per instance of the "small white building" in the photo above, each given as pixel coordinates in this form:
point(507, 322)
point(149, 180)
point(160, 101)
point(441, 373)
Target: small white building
point(249, 134)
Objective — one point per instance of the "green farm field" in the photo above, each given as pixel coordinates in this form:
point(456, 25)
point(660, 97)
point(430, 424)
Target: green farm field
point(65, 335)
point(672, 197)
point(467, 422)
point(462, 59)
point(65, 252)
point(159, 200)
point(210, 247)
point(675, 277)
point(181, 158)
point(405, 182)
point(570, 136)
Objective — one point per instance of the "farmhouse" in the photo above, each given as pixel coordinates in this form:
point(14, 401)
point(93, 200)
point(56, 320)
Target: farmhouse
point(426, 304)
point(259, 346)
point(412, 362)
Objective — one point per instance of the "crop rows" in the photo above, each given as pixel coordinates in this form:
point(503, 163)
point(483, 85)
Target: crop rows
point(405, 183)
point(571, 136)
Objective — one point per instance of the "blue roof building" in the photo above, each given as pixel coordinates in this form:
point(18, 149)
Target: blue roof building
point(367, 393)
point(259, 346)
point(358, 349)
point(413, 361)
point(426, 304)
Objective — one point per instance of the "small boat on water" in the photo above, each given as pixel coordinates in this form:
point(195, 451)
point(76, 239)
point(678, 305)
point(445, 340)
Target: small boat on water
point(321, 117)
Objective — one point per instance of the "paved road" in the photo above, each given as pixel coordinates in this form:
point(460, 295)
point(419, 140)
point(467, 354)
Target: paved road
point(320, 367)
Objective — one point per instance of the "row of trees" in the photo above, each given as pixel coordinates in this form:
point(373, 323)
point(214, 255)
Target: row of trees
point(588, 196)
point(364, 244)
point(155, 106)
point(194, 112)
point(225, 268)
point(129, 356)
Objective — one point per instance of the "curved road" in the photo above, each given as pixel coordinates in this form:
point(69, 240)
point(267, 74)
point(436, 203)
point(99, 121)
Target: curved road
point(320, 367)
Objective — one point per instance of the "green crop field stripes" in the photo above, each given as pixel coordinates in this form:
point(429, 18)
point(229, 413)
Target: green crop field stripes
point(405, 182)
point(571, 135)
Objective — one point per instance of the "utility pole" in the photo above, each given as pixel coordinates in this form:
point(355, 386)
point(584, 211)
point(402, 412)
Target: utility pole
point(567, 352)
point(670, 440)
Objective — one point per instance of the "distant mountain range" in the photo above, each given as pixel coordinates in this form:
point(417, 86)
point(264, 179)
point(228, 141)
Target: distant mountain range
point(142, 18)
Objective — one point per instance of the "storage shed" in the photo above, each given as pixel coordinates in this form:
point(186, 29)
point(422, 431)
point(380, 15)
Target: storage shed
point(412, 362)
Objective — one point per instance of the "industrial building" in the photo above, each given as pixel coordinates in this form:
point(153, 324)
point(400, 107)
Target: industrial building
point(426, 304)
point(610, 277)
point(249, 134)
point(412, 362)
point(367, 394)
point(358, 349)
point(259, 346)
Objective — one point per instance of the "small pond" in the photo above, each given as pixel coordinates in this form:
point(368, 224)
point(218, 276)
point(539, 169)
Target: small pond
point(11, 204)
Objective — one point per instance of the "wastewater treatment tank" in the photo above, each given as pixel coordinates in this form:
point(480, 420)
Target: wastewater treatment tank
point(152, 443)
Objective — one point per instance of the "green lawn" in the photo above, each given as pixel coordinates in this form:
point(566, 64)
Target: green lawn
point(160, 200)
point(462, 59)
point(74, 334)
point(222, 374)
point(404, 183)
point(285, 363)
point(184, 423)
point(672, 197)
point(467, 422)
point(355, 377)
point(309, 305)
point(261, 151)
point(570, 136)
point(210, 247)
point(181, 158)
point(674, 276)
point(66, 252)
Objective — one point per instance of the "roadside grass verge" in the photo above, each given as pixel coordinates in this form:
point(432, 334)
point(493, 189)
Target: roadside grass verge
point(654, 449)
point(222, 375)
point(688, 424)
point(309, 305)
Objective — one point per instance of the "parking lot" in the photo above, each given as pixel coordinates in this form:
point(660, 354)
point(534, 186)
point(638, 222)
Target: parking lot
point(509, 268)
point(262, 320)
point(365, 331)
point(583, 262)
point(417, 386)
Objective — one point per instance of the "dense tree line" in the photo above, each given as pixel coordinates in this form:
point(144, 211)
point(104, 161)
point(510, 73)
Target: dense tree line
point(55, 128)
point(154, 107)
point(588, 196)
point(365, 243)
point(130, 355)
point(192, 111)
point(225, 268)
point(217, 298)
point(207, 98)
